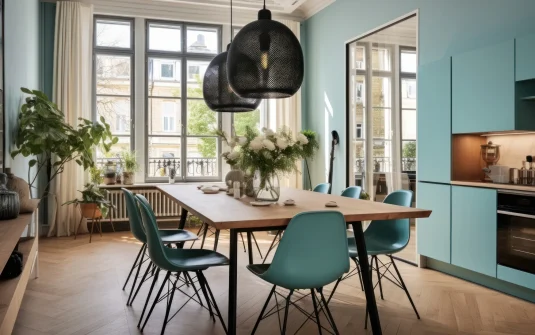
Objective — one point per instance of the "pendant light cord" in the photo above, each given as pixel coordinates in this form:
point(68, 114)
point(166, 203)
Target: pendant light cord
point(231, 28)
point(264, 4)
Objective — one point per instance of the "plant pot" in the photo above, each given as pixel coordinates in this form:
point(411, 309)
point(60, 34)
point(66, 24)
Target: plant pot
point(110, 179)
point(128, 178)
point(90, 210)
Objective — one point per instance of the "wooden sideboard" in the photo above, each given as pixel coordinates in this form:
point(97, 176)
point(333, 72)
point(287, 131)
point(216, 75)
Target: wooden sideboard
point(22, 231)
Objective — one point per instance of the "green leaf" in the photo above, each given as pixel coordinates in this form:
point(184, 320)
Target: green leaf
point(25, 90)
point(32, 162)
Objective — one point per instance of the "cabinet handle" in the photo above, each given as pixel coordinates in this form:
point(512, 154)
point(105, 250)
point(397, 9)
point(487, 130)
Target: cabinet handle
point(527, 216)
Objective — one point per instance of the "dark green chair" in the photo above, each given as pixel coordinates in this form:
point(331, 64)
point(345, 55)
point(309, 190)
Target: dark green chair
point(387, 237)
point(169, 236)
point(176, 262)
point(320, 188)
point(311, 254)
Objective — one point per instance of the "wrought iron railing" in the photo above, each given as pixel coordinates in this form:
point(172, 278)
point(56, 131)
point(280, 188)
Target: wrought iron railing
point(195, 167)
point(382, 164)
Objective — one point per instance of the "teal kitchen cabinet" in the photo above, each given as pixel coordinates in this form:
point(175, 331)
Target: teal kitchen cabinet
point(483, 89)
point(434, 232)
point(525, 56)
point(517, 277)
point(434, 122)
point(473, 229)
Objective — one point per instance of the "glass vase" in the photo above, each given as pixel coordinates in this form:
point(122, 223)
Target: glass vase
point(267, 187)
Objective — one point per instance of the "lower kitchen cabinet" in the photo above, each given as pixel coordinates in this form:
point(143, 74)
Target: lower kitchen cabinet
point(473, 229)
point(434, 232)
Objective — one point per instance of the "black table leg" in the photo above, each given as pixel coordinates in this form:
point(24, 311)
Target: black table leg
point(366, 278)
point(183, 218)
point(250, 246)
point(233, 282)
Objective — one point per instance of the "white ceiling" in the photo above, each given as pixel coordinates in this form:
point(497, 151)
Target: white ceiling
point(402, 33)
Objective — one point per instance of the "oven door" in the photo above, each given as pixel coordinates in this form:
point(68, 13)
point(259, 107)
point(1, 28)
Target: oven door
point(516, 240)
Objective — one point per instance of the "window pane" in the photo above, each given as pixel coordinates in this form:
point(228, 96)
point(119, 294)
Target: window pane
point(359, 58)
point(359, 165)
point(244, 120)
point(381, 59)
point(163, 77)
point(382, 153)
point(203, 40)
point(113, 74)
point(202, 157)
point(116, 149)
point(116, 112)
point(408, 61)
point(164, 116)
point(113, 34)
point(163, 152)
point(165, 37)
point(408, 155)
point(201, 120)
point(196, 70)
point(408, 124)
point(381, 92)
point(408, 93)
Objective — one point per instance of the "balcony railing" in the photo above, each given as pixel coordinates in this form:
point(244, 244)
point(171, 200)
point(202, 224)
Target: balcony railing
point(195, 167)
point(383, 164)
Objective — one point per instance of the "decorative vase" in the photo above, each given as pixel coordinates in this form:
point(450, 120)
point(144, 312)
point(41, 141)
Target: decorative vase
point(128, 178)
point(9, 201)
point(249, 186)
point(234, 175)
point(19, 185)
point(267, 187)
point(172, 174)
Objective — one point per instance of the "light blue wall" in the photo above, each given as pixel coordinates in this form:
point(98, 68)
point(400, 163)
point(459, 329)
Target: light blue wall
point(446, 28)
point(21, 52)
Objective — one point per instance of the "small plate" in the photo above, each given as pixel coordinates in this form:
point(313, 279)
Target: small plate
point(289, 202)
point(331, 204)
point(261, 203)
point(210, 190)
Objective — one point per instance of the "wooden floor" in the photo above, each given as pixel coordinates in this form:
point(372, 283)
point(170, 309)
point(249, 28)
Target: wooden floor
point(79, 292)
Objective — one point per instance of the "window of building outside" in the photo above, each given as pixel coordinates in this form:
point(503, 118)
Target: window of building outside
point(408, 109)
point(113, 87)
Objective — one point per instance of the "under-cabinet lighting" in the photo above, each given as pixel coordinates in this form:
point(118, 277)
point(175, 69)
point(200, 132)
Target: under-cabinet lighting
point(507, 134)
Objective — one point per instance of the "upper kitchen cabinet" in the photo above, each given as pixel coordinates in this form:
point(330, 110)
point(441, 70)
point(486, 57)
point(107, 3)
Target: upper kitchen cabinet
point(434, 122)
point(525, 56)
point(483, 89)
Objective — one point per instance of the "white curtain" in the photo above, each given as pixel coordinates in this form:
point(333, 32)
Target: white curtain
point(72, 94)
point(287, 112)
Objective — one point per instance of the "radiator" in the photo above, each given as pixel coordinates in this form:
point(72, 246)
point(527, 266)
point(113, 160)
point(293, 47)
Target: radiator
point(161, 204)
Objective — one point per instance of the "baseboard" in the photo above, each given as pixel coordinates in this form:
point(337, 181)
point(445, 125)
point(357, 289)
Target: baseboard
point(478, 278)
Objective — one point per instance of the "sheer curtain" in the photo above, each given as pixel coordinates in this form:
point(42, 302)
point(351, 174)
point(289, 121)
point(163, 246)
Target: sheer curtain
point(287, 112)
point(72, 94)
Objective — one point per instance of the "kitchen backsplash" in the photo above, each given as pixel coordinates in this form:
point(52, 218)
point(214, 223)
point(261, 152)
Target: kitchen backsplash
point(514, 148)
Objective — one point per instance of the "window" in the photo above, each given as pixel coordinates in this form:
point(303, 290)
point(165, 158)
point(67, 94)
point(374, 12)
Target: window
point(408, 109)
point(113, 60)
point(181, 128)
point(359, 130)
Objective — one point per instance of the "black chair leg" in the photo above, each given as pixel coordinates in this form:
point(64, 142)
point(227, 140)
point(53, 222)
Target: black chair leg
point(169, 303)
point(154, 280)
point(205, 294)
point(286, 309)
point(216, 242)
point(263, 310)
point(243, 242)
point(271, 246)
point(149, 268)
point(134, 265)
point(334, 289)
point(378, 276)
point(198, 233)
point(137, 275)
point(358, 270)
point(404, 287)
point(214, 302)
point(313, 295)
point(257, 246)
point(329, 315)
point(156, 299)
point(188, 278)
point(204, 234)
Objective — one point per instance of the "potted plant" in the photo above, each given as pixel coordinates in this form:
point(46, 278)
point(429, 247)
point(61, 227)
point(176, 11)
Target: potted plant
point(130, 166)
point(94, 202)
point(110, 173)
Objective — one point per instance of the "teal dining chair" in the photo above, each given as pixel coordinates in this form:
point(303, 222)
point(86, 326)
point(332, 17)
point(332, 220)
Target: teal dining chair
point(320, 188)
point(169, 236)
point(177, 261)
point(352, 192)
point(386, 237)
point(299, 264)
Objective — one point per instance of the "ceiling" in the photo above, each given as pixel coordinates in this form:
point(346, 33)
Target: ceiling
point(299, 8)
point(401, 33)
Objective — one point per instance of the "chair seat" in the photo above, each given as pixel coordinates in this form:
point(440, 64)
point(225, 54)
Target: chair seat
point(176, 235)
point(258, 269)
point(374, 247)
point(193, 259)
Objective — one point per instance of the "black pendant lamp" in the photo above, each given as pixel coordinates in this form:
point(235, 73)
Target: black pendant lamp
point(217, 93)
point(265, 60)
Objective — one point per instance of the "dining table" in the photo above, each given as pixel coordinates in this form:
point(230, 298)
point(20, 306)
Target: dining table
point(222, 211)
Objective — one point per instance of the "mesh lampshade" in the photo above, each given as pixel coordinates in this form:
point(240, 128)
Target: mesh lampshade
point(265, 60)
point(217, 93)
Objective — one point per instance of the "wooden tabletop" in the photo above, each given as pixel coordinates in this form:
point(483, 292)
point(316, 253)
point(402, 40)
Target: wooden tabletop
point(225, 212)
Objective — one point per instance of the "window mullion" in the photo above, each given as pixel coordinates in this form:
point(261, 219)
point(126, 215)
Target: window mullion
point(184, 111)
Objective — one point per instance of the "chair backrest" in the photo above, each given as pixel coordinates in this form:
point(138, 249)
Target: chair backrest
point(393, 231)
point(352, 192)
point(154, 241)
point(312, 253)
point(144, 201)
point(322, 188)
point(134, 216)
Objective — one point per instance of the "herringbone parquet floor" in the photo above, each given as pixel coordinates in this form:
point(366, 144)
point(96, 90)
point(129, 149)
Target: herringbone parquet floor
point(79, 292)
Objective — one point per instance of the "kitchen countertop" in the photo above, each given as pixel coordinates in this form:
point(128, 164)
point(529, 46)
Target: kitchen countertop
point(513, 187)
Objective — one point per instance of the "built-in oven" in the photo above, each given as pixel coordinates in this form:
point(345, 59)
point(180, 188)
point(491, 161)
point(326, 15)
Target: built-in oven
point(516, 230)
